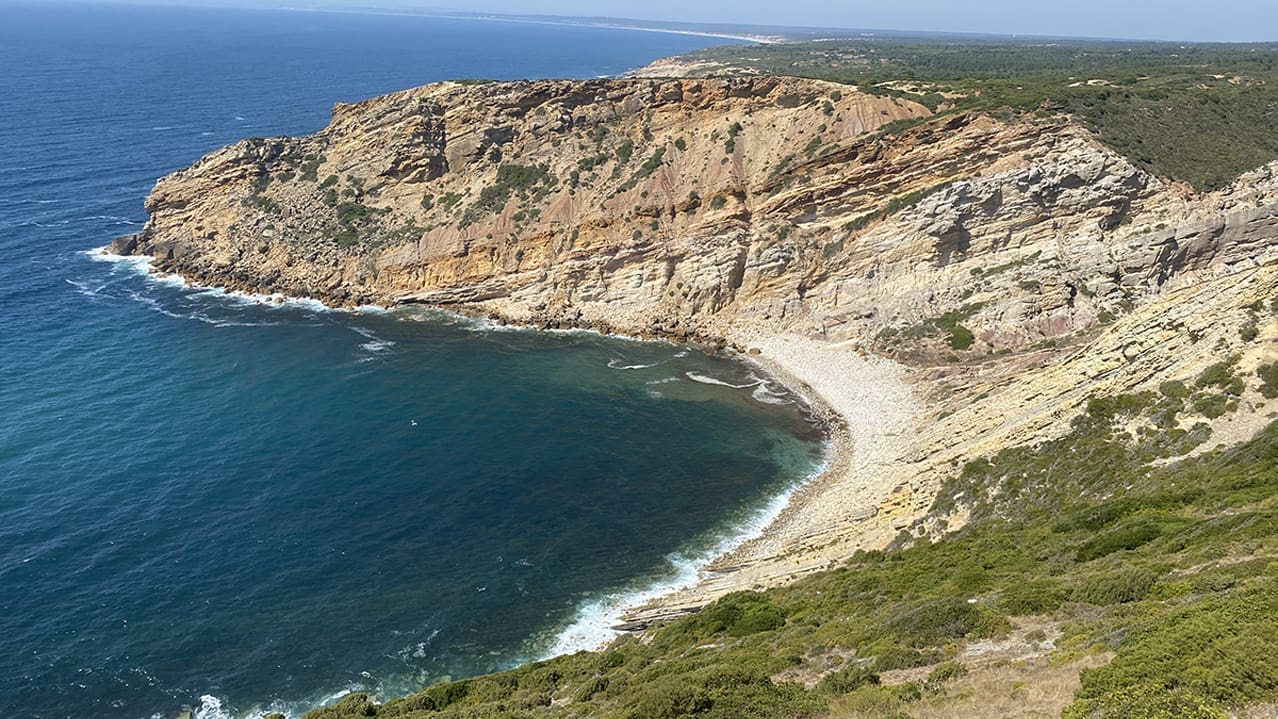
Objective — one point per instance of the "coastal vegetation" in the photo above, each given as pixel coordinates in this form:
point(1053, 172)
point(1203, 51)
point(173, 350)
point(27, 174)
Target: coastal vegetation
point(1161, 578)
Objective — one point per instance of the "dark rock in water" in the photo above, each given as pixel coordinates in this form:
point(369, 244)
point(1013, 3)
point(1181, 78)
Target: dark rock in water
point(126, 245)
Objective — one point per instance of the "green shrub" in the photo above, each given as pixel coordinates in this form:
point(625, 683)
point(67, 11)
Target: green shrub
point(351, 705)
point(1121, 586)
point(1211, 406)
point(1037, 596)
point(1186, 643)
point(737, 614)
point(847, 680)
point(442, 695)
point(961, 338)
point(1128, 535)
point(595, 686)
point(670, 700)
point(1217, 652)
point(895, 656)
point(310, 168)
point(1268, 375)
point(1174, 389)
point(449, 200)
point(260, 183)
point(512, 179)
point(1147, 701)
point(933, 621)
point(624, 151)
point(945, 673)
point(1220, 375)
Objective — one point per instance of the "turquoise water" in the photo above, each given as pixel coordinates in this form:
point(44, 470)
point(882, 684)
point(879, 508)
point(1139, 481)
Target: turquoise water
point(210, 501)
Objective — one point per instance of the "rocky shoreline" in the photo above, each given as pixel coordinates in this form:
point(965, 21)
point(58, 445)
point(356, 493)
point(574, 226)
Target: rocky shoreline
point(870, 407)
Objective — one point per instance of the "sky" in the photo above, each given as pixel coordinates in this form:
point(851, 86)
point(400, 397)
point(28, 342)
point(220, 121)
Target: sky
point(1200, 20)
point(1232, 20)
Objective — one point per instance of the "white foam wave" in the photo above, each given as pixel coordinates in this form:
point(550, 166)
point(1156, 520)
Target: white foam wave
point(592, 625)
point(764, 394)
point(374, 343)
point(485, 325)
point(85, 288)
point(137, 264)
point(667, 380)
point(154, 305)
point(142, 265)
point(116, 219)
point(704, 379)
point(616, 364)
point(211, 708)
point(258, 299)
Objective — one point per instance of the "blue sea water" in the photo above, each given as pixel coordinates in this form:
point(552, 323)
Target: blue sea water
point(210, 501)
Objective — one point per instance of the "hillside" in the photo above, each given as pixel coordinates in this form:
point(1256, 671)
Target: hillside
point(1058, 371)
point(1200, 113)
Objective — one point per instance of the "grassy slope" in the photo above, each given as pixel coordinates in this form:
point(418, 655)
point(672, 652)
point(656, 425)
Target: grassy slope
point(1173, 569)
point(1199, 113)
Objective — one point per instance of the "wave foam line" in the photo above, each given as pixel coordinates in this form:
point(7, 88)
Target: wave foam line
point(212, 707)
point(592, 626)
point(703, 379)
point(764, 394)
point(616, 364)
point(142, 265)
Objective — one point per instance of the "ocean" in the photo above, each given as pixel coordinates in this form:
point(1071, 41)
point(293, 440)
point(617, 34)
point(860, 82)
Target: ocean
point(211, 501)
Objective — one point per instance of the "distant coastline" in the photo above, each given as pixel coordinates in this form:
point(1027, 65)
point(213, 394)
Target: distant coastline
point(765, 39)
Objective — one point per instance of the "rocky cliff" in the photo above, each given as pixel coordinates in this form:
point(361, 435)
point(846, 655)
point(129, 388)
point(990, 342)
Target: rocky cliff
point(1017, 268)
point(686, 207)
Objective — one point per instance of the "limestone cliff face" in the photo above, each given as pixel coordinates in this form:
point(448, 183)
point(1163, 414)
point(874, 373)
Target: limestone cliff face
point(689, 207)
